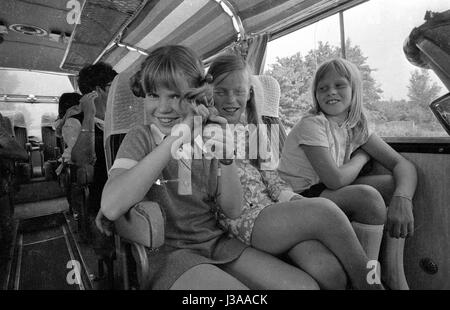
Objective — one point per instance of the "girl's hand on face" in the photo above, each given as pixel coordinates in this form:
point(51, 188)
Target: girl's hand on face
point(87, 103)
point(189, 111)
point(215, 117)
point(203, 111)
point(400, 219)
point(210, 113)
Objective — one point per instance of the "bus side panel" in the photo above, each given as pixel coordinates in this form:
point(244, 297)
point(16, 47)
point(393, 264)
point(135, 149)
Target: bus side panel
point(427, 253)
point(430, 246)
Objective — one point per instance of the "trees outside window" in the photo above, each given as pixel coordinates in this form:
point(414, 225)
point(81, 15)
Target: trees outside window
point(387, 117)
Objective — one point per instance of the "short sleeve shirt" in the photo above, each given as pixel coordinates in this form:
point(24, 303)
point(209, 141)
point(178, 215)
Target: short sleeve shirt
point(314, 130)
point(190, 219)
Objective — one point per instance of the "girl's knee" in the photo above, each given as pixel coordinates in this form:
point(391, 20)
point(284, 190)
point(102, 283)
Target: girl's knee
point(326, 210)
point(372, 203)
point(323, 204)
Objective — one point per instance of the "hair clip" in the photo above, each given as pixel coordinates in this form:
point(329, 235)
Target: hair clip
point(208, 78)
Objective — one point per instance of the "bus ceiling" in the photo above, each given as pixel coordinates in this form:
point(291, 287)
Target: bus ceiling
point(33, 34)
point(64, 35)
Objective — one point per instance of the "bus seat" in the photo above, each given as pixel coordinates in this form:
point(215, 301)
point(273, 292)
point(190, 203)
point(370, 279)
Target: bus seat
point(143, 225)
point(9, 147)
point(267, 96)
point(10, 153)
point(30, 144)
point(18, 125)
point(123, 112)
point(50, 144)
point(51, 150)
point(35, 149)
point(428, 46)
point(15, 124)
point(6, 124)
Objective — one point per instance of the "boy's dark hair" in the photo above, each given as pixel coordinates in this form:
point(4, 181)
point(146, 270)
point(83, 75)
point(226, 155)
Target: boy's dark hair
point(91, 76)
point(66, 101)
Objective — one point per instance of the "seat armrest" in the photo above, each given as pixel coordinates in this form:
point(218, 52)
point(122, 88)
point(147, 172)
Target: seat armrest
point(28, 147)
point(143, 224)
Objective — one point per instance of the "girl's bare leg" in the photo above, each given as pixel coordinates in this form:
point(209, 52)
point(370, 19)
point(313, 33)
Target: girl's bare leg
point(207, 277)
point(361, 203)
point(365, 207)
point(391, 258)
point(385, 185)
point(260, 270)
point(282, 226)
point(319, 262)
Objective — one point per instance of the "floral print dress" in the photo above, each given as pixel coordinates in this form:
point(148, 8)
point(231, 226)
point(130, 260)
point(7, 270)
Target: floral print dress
point(261, 188)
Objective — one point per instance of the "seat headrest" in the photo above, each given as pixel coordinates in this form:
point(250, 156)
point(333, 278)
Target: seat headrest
point(48, 119)
point(16, 117)
point(267, 94)
point(123, 110)
point(6, 124)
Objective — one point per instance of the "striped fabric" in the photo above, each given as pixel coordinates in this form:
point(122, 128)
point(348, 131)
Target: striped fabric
point(100, 22)
point(200, 24)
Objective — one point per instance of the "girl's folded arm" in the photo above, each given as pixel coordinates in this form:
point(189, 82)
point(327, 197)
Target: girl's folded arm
point(126, 187)
point(278, 189)
point(404, 172)
point(330, 174)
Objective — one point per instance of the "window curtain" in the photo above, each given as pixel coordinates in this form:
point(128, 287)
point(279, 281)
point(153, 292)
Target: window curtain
point(253, 49)
point(74, 81)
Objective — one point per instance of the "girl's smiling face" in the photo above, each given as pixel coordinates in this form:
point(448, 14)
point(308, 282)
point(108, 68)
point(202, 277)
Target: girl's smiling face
point(334, 95)
point(165, 109)
point(231, 95)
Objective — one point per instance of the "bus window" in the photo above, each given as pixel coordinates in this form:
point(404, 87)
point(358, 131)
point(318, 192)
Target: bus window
point(292, 60)
point(16, 84)
point(396, 93)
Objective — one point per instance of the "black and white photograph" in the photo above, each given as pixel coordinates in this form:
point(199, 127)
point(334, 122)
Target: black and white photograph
point(169, 145)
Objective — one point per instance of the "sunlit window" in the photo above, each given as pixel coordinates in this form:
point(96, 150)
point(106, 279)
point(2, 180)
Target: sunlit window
point(396, 93)
point(14, 83)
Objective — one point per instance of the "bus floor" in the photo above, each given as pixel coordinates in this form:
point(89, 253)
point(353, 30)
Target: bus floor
point(46, 251)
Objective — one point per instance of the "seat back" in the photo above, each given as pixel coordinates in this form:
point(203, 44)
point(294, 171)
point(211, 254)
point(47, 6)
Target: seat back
point(6, 123)
point(18, 125)
point(123, 112)
point(267, 96)
point(49, 136)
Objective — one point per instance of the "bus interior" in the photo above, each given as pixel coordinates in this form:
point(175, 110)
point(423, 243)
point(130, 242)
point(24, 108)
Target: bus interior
point(44, 43)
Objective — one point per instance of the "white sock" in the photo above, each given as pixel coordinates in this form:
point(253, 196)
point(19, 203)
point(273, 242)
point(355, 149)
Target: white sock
point(370, 238)
point(392, 271)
